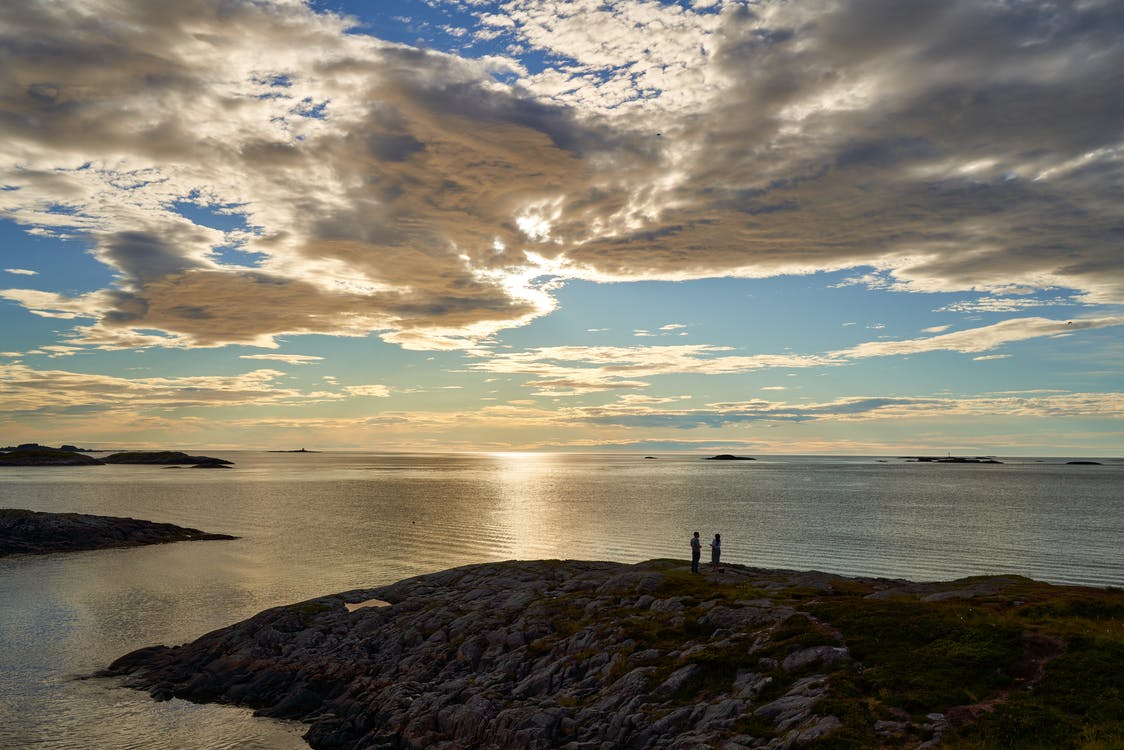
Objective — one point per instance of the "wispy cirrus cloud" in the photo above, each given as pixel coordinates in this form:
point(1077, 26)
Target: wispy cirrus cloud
point(289, 359)
point(25, 389)
point(409, 193)
point(1005, 304)
point(573, 370)
point(373, 390)
point(980, 339)
point(849, 409)
point(576, 370)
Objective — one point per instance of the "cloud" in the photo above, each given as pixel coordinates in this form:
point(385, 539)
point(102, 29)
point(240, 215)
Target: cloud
point(577, 370)
point(979, 339)
point(807, 119)
point(850, 409)
point(936, 329)
point(21, 271)
point(573, 370)
point(1003, 304)
point(961, 146)
point(25, 390)
point(987, 357)
point(373, 390)
point(291, 359)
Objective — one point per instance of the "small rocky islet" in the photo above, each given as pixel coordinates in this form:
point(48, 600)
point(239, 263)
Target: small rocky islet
point(28, 532)
point(33, 454)
point(597, 655)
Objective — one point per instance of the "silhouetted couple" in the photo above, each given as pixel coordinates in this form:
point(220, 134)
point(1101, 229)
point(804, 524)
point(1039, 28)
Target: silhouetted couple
point(696, 552)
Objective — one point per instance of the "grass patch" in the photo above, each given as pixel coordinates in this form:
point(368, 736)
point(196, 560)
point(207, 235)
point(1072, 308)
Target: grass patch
point(1078, 704)
point(924, 657)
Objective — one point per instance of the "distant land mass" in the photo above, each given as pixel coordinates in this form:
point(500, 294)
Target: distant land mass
point(32, 532)
point(30, 446)
point(575, 655)
point(33, 454)
point(298, 450)
point(729, 457)
point(167, 458)
point(953, 459)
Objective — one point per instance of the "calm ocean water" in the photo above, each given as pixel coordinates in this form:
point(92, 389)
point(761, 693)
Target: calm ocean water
point(319, 523)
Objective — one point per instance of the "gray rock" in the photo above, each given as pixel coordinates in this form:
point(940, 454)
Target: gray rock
point(32, 532)
point(679, 679)
point(504, 656)
point(819, 655)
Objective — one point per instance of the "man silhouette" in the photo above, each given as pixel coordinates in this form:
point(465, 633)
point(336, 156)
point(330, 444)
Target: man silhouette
point(696, 552)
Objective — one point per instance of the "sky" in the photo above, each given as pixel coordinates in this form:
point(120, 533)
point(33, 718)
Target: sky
point(865, 227)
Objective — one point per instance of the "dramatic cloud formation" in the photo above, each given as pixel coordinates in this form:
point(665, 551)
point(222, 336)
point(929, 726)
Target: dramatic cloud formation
point(248, 170)
point(908, 213)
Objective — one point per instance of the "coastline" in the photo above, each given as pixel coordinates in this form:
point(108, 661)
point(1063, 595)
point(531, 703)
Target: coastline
point(27, 532)
point(576, 654)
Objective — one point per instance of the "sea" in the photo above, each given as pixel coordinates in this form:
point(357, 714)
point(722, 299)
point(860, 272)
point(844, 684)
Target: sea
point(313, 523)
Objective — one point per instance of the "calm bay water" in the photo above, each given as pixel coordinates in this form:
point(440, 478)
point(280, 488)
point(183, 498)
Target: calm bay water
point(319, 523)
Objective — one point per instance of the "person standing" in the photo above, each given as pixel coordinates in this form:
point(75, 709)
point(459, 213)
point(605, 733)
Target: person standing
point(696, 552)
point(715, 552)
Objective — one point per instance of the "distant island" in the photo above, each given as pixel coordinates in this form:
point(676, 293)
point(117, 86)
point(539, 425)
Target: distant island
point(166, 458)
point(729, 457)
point(33, 454)
point(298, 450)
point(573, 654)
point(32, 532)
point(952, 459)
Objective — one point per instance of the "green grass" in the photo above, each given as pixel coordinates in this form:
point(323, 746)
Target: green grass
point(925, 657)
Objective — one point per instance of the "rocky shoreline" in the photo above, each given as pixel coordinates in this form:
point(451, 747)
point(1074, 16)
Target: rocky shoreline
point(33, 454)
point(32, 532)
point(583, 655)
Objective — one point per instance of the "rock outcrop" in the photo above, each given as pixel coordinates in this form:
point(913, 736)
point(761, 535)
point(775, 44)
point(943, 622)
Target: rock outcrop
point(583, 655)
point(33, 454)
point(168, 458)
point(31, 532)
